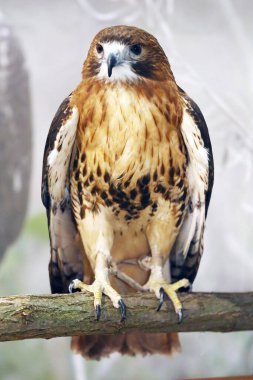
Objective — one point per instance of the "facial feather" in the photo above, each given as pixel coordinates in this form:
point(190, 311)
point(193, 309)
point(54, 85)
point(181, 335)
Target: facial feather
point(151, 63)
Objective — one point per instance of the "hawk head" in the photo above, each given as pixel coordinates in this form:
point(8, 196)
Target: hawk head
point(126, 53)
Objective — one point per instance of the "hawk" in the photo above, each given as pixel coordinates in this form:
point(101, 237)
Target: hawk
point(127, 180)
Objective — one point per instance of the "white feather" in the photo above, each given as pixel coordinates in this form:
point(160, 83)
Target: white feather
point(58, 160)
point(197, 173)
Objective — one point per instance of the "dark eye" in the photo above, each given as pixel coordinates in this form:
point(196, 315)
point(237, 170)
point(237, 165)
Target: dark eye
point(99, 48)
point(136, 49)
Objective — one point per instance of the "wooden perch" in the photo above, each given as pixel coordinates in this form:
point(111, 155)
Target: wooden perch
point(48, 316)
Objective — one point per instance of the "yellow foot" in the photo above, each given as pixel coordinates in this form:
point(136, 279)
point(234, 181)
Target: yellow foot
point(97, 288)
point(161, 288)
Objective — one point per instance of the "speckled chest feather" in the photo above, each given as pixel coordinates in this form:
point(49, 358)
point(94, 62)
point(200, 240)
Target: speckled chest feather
point(129, 152)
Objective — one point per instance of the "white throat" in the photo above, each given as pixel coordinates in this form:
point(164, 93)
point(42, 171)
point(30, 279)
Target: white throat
point(123, 71)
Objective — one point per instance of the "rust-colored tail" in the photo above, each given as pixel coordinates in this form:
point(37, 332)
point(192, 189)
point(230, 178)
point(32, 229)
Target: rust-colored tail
point(98, 346)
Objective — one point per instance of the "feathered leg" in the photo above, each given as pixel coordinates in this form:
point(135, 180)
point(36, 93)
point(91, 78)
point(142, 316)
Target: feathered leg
point(161, 238)
point(97, 237)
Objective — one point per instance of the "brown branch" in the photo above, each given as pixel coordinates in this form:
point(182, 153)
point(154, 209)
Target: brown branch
point(48, 316)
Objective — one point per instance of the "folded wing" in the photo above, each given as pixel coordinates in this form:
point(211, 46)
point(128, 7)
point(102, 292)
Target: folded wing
point(66, 261)
point(188, 248)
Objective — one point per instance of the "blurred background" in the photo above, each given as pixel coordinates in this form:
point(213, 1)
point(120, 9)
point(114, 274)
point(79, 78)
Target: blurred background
point(42, 47)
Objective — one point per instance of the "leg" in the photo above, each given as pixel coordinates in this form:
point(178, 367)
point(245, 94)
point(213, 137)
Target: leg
point(97, 238)
point(99, 286)
point(161, 237)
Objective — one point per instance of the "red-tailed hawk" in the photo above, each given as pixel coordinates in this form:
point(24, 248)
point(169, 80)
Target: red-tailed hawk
point(127, 180)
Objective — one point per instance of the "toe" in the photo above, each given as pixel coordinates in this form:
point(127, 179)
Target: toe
point(75, 285)
point(112, 294)
point(169, 290)
point(183, 283)
point(71, 287)
point(97, 299)
point(98, 288)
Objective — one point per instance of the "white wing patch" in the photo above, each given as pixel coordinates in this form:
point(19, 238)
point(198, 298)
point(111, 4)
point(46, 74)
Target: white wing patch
point(197, 173)
point(58, 159)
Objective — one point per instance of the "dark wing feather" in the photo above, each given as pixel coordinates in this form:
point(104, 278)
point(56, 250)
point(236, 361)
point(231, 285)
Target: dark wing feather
point(198, 117)
point(66, 261)
point(185, 264)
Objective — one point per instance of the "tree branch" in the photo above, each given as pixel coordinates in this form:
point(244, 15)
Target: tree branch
point(48, 316)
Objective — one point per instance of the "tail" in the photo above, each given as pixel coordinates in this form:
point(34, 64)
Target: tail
point(97, 346)
point(138, 343)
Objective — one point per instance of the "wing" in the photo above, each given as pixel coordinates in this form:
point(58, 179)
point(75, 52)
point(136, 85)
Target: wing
point(188, 248)
point(66, 261)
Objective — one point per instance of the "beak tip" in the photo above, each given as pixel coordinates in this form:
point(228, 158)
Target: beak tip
point(111, 62)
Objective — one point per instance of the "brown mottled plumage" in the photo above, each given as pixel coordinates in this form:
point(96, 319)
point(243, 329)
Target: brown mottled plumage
point(126, 176)
point(95, 178)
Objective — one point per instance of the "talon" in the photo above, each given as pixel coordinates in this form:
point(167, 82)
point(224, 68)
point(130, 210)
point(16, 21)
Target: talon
point(180, 315)
point(163, 289)
point(98, 312)
point(97, 288)
point(161, 301)
point(71, 287)
point(122, 310)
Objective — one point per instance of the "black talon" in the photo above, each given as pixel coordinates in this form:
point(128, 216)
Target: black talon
point(180, 315)
point(98, 312)
point(122, 310)
point(161, 301)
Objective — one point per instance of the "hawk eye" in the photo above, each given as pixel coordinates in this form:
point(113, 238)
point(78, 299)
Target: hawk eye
point(99, 48)
point(136, 49)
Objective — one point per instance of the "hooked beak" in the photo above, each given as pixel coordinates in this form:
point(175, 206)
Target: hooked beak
point(112, 61)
